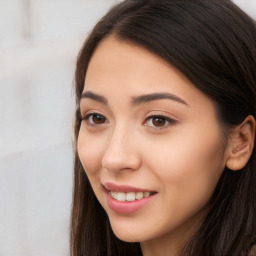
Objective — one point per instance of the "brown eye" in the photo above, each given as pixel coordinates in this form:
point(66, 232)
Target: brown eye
point(159, 121)
point(95, 119)
point(98, 119)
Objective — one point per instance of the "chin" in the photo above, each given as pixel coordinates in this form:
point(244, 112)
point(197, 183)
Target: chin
point(129, 235)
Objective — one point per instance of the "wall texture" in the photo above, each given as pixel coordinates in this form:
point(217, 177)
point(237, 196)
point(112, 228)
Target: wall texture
point(39, 41)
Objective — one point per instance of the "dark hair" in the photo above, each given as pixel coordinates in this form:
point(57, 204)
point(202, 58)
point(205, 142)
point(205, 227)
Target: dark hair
point(213, 43)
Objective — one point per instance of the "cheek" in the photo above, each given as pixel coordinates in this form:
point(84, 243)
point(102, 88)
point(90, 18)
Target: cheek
point(191, 160)
point(187, 171)
point(90, 150)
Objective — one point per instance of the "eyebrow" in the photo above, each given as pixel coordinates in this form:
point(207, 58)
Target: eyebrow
point(137, 100)
point(156, 96)
point(93, 96)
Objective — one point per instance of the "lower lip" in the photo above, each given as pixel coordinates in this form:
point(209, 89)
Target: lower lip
point(127, 206)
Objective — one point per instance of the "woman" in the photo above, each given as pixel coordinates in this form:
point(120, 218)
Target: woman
point(165, 131)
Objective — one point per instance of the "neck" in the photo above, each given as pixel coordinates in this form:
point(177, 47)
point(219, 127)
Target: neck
point(165, 245)
point(162, 248)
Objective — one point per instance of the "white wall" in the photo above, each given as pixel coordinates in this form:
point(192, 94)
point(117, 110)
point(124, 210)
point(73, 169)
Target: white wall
point(39, 41)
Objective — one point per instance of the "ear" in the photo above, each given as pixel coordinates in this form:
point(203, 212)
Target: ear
point(240, 144)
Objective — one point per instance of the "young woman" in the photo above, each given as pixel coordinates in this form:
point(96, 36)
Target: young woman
point(165, 132)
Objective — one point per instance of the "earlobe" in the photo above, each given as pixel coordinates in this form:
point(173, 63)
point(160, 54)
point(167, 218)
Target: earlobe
point(240, 144)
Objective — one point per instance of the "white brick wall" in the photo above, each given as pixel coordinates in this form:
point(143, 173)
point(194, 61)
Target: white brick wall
point(39, 41)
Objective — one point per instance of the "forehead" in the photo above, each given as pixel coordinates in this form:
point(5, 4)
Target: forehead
point(122, 69)
point(127, 64)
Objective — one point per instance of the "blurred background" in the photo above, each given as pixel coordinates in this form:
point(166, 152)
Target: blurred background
point(39, 42)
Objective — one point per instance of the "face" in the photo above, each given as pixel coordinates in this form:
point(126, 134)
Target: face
point(150, 143)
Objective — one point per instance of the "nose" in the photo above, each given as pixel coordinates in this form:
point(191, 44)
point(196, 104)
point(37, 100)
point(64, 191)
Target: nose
point(121, 152)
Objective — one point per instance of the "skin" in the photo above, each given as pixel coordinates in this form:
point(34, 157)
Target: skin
point(181, 159)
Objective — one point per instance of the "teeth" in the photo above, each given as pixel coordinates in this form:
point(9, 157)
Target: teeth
point(146, 194)
point(113, 194)
point(129, 196)
point(139, 195)
point(121, 197)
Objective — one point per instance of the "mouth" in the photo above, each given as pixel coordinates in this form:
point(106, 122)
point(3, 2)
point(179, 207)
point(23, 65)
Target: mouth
point(125, 199)
point(130, 196)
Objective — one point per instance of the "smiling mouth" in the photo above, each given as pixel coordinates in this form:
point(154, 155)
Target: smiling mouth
point(129, 196)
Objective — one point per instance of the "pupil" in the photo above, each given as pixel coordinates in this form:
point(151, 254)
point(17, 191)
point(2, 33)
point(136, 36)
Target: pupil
point(157, 121)
point(98, 119)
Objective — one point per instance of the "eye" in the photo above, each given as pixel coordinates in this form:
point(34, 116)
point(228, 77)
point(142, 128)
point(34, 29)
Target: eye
point(159, 122)
point(95, 119)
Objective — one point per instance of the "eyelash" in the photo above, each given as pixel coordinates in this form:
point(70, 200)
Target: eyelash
point(90, 115)
point(167, 120)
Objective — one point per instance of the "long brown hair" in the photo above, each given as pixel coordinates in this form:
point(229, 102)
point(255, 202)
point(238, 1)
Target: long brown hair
point(213, 43)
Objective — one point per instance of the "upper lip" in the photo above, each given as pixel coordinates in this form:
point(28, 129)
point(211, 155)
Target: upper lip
point(123, 188)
